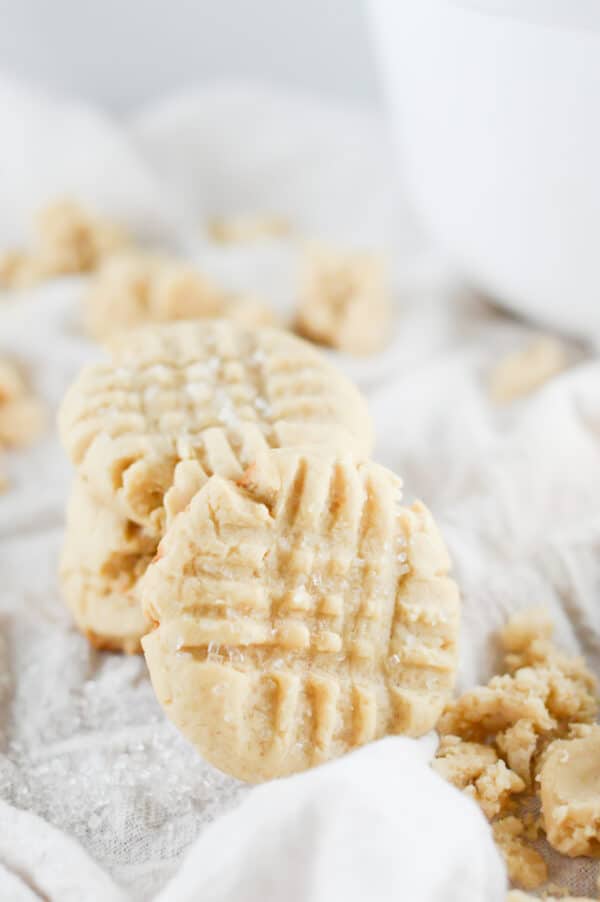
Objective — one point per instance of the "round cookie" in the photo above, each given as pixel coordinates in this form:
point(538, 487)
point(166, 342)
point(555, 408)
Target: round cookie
point(103, 557)
point(298, 613)
point(127, 422)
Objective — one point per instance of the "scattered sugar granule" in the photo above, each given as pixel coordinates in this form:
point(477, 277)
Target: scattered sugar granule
point(525, 866)
point(477, 770)
point(344, 301)
point(248, 228)
point(520, 373)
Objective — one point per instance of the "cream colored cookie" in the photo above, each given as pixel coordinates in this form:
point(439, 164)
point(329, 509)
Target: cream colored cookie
point(208, 391)
point(344, 301)
point(299, 613)
point(570, 793)
point(103, 557)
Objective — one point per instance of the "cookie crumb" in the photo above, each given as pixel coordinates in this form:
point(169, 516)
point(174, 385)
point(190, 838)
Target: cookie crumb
point(344, 301)
point(21, 415)
point(248, 228)
point(525, 866)
point(477, 770)
point(523, 371)
point(67, 239)
point(136, 288)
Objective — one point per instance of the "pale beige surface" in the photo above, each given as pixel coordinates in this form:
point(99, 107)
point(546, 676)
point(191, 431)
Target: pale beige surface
point(300, 615)
point(208, 391)
point(523, 371)
point(344, 301)
point(102, 559)
point(570, 793)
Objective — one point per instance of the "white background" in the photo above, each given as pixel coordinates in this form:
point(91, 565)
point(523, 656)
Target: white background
point(126, 52)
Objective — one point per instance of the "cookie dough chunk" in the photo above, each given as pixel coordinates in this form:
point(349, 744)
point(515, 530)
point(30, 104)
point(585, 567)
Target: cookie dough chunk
point(479, 772)
point(521, 372)
point(134, 288)
point(70, 239)
point(103, 557)
point(213, 392)
point(570, 793)
point(525, 866)
point(344, 302)
point(298, 613)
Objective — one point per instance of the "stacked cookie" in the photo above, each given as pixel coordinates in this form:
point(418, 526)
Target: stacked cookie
point(224, 504)
point(173, 405)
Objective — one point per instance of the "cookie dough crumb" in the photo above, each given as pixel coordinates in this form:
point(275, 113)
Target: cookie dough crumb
point(523, 371)
point(17, 270)
point(525, 866)
point(477, 770)
point(21, 415)
point(67, 239)
point(570, 793)
point(72, 240)
point(516, 895)
point(248, 228)
point(344, 301)
point(135, 288)
point(546, 687)
point(518, 745)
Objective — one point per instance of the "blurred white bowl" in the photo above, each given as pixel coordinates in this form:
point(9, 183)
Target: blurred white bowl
point(496, 105)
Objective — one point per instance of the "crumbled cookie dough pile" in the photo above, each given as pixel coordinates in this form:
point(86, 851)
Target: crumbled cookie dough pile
point(67, 239)
point(21, 415)
point(344, 301)
point(135, 288)
point(529, 732)
point(296, 610)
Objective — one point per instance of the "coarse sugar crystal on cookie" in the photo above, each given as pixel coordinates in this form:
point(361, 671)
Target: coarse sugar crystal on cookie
point(103, 557)
point(300, 612)
point(214, 392)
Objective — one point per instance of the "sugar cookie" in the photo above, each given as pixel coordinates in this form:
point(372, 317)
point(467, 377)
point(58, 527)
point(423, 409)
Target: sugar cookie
point(298, 613)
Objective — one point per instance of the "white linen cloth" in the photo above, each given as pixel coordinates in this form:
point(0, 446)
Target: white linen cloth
point(102, 797)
